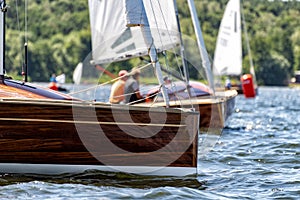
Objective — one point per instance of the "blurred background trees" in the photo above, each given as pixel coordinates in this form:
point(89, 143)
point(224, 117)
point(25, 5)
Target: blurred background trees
point(58, 36)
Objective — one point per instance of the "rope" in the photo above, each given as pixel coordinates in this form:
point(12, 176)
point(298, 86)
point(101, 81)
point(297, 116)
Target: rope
point(107, 82)
point(133, 102)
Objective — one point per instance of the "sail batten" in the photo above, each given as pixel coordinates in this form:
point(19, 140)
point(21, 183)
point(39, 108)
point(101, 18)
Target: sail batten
point(228, 52)
point(115, 38)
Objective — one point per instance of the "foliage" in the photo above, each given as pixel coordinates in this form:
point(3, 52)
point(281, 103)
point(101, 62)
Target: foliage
point(58, 36)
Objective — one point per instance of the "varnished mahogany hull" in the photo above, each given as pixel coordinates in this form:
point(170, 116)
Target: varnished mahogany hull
point(214, 110)
point(76, 133)
point(215, 115)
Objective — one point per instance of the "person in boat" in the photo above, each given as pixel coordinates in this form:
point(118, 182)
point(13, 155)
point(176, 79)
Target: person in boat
point(167, 81)
point(132, 90)
point(53, 83)
point(53, 78)
point(152, 94)
point(117, 89)
point(228, 84)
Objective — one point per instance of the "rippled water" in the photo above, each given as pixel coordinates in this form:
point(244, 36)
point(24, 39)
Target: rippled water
point(257, 157)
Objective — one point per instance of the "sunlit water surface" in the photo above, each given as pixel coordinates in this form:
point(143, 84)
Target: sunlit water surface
point(257, 157)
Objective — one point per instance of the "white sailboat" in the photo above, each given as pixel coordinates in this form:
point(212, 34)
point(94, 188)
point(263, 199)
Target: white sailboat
point(228, 52)
point(77, 73)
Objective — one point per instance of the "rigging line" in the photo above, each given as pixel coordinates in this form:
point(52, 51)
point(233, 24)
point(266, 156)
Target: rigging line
point(26, 25)
point(156, 21)
point(3, 9)
point(19, 29)
point(172, 84)
point(107, 82)
point(169, 35)
point(141, 100)
point(182, 51)
point(158, 30)
point(175, 55)
point(169, 72)
point(247, 43)
point(155, 99)
point(165, 23)
point(182, 48)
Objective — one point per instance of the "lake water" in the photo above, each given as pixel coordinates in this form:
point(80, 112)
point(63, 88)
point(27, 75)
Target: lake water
point(257, 157)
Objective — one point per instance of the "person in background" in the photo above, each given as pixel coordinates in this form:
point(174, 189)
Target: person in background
point(117, 89)
point(53, 83)
point(53, 78)
point(228, 84)
point(132, 90)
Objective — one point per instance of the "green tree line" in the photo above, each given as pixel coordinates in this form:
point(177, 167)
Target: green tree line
point(58, 36)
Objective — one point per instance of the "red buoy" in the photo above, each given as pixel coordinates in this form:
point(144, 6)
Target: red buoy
point(248, 86)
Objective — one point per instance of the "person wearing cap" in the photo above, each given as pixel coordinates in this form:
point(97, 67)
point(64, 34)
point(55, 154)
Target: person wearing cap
point(167, 80)
point(117, 89)
point(132, 90)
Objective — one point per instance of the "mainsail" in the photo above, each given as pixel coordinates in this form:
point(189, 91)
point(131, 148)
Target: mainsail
point(112, 40)
point(228, 52)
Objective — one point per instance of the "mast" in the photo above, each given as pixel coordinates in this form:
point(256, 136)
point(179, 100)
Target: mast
point(201, 45)
point(3, 9)
point(252, 71)
point(139, 18)
point(26, 63)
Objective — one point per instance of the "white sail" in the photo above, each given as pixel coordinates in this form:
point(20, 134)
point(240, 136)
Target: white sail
point(136, 16)
point(77, 73)
point(228, 52)
point(61, 78)
point(1, 40)
point(112, 40)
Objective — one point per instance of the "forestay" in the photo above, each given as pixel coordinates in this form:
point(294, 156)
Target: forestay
point(228, 52)
point(112, 40)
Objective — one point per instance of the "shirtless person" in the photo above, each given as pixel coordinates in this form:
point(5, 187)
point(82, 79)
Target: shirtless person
point(117, 89)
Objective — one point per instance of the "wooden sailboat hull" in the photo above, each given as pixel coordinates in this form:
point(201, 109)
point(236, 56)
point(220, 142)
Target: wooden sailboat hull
point(18, 89)
point(214, 111)
point(65, 133)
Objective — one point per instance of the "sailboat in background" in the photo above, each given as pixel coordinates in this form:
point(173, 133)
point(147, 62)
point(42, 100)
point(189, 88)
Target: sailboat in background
point(47, 132)
point(228, 52)
point(77, 73)
point(214, 108)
